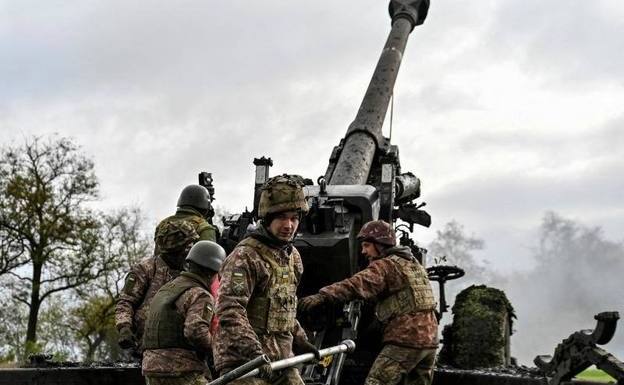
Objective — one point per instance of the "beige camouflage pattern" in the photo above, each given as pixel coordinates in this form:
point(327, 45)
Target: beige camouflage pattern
point(142, 283)
point(400, 365)
point(245, 274)
point(382, 278)
point(196, 304)
point(417, 296)
point(187, 379)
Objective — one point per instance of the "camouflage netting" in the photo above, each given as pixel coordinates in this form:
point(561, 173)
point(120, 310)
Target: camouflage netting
point(478, 336)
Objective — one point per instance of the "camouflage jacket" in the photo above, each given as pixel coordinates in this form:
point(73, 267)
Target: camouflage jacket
point(236, 341)
point(196, 305)
point(376, 282)
point(205, 230)
point(142, 283)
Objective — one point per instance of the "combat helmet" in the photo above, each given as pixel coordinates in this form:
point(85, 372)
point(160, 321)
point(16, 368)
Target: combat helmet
point(282, 193)
point(207, 254)
point(175, 236)
point(196, 196)
point(377, 232)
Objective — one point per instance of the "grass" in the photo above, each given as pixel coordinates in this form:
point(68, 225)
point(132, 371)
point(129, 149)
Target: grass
point(593, 374)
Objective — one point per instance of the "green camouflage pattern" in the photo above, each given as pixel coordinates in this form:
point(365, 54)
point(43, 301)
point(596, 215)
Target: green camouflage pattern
point(245, 275)
point(175, 235)
point(282, 193)
point(142, 282)
point(478, 336)
point(277, 310)
point(401, 365)
point(204, 230)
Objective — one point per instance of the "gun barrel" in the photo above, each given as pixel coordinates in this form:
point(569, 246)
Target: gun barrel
point(364, 135)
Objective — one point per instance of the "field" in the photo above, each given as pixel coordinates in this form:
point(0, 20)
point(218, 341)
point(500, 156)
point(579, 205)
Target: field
point(593, 374)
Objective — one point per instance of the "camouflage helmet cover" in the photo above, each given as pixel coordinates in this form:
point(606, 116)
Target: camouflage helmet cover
point(282, 193)
point(196, 196)
point(207, 254)
point(175, 236)
point(377, 232)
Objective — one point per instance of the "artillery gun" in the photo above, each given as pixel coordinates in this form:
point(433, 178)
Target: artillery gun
point(363, 181)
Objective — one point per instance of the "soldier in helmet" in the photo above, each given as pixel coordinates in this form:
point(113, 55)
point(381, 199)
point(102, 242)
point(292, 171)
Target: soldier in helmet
point(194, 207)
point(405, 307)
point(174, 240)
point(177, 336)
point(257, 298)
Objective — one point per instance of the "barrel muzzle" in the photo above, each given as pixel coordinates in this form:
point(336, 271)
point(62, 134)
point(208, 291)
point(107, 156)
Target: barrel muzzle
point(413, 10)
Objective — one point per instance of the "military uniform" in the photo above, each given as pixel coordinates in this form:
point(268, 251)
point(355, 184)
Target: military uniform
point(405, 307)
point(177, 333)
point(141, 285)
point(257, 307)
point(204, 230)
point(174, 239)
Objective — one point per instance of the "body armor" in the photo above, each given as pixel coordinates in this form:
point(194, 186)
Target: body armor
point(274, 310)
point(164, 327)
point(416, 296)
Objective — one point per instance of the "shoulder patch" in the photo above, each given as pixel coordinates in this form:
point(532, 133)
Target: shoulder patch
point(239, 281)
point(130, 282)
point(208, 312)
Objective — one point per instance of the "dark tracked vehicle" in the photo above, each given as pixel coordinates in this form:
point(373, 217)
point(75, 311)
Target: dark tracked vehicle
point(363, 181)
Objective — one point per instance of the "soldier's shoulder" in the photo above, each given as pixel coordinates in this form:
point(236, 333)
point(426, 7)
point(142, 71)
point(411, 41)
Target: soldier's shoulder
point(146, 264)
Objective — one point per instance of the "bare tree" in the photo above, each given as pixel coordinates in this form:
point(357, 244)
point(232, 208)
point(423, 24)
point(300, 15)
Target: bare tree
point(45, 186)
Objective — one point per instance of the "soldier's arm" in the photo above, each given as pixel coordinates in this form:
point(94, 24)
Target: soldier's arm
point(238, 278)
point(198, 307)
point(207, 232)
point(132, 294)
point(366, 284)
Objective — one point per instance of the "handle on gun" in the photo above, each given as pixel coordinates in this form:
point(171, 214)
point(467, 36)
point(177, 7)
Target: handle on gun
point(345, 346)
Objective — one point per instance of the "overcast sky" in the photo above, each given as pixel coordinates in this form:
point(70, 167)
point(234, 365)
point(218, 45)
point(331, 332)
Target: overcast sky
point(504, 109)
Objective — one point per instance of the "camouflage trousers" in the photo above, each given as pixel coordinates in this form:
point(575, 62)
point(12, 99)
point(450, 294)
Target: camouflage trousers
point(288, 376)
point(192, 378)
point(405, 366)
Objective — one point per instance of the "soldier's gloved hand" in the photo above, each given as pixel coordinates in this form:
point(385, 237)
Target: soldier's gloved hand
point(307, 304)
point(127, 339)
point(265, 372)
point(307, 347)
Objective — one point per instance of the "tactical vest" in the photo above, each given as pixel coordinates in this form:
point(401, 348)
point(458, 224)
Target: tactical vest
point(414, 297)
point(164, 327)
point(273, 311)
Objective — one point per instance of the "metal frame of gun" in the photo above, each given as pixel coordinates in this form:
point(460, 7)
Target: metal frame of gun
point(579, 351)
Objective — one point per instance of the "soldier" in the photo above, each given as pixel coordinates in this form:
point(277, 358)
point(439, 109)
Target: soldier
point(194, 207)
point(257, 298)
point(405, 307)
point(174, 239)
point(177, 336)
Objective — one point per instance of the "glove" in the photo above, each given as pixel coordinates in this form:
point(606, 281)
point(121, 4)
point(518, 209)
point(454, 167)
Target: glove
point(127, 339)
point(306, 304)
point(307, 347)
point(265, 372)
